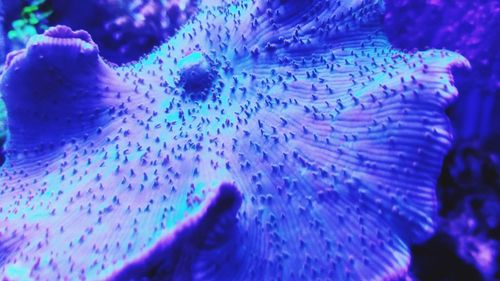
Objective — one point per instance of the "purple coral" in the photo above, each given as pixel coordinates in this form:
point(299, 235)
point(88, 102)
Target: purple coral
point(266, 140)
point(125, 30)
point(467, 27)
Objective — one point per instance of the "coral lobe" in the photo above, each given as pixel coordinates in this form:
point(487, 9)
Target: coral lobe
point(266, 140)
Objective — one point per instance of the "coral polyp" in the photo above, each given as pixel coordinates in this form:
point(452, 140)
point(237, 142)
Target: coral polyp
point(196, 76)
point(267, 140)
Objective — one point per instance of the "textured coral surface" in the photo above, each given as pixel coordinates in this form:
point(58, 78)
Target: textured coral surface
point(266, 140)
point(124, 29)
point(466, 242)
point(469, 28)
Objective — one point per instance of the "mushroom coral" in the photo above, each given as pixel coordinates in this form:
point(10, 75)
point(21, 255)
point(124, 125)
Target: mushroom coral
point(267, 140)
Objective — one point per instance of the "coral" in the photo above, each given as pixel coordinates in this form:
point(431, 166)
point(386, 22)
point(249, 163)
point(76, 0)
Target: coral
point(266, 140)
point(470, 28)
point(3, 130)
point(124, 30)
point(466, 243)
point(468, 189)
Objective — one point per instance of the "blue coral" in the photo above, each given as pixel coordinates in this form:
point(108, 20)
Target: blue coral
point(313, 155)
point(125, 29)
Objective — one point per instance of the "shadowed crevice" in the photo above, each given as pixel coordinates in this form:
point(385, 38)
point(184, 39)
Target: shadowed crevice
point(173, 257)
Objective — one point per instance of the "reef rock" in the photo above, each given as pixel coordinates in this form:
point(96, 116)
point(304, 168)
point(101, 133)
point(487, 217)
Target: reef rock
point(267, 140)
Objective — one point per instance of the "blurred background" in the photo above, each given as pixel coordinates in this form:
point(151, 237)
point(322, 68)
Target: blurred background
point(466, 245)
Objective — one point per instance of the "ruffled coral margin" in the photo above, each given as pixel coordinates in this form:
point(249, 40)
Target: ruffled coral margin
point(333, 139)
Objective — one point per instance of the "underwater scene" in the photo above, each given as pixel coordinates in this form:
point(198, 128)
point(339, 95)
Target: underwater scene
point(250, 140)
